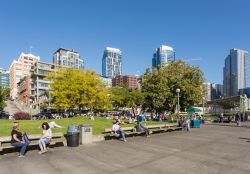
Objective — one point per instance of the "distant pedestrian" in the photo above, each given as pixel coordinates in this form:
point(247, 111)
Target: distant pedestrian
point(238, 119)
point(17, 139)
point(221, 117)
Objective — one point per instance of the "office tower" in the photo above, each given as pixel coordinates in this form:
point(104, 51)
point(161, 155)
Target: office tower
point(111, 62)
point(162, 56)
point(68, 58)
point(236, 73)
point(19, 69)
point(4, 78)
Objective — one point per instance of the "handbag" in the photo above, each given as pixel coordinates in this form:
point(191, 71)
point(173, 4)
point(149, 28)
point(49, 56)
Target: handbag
point(26, 138)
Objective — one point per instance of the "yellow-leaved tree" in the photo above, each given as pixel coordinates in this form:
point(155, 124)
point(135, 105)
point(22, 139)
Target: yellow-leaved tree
point(73, 88)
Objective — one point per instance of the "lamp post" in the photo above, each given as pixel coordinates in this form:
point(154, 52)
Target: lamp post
point(178, 101)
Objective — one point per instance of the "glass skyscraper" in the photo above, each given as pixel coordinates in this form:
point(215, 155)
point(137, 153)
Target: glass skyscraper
point(4, 78)
point(68, 58)
point(162, 56)
point(111, 62)
point(236, 73)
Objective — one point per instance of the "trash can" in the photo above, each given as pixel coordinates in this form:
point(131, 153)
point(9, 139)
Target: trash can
point(86, 133)
point(73, 134)
point(195, 123)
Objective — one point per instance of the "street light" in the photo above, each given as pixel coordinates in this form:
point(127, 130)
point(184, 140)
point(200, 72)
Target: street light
point(178, 101)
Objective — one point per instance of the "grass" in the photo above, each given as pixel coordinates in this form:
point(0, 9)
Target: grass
point(33, 126)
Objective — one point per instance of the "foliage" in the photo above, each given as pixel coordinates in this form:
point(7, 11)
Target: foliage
point(21, 116)
point(4, 95)
point(122, 96)
point(72, 88)
point(161, 84)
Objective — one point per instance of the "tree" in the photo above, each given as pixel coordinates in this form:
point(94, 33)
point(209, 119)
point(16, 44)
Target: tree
point(122, 96)
point(4, 95)
point(73, 88)
point(161, 84)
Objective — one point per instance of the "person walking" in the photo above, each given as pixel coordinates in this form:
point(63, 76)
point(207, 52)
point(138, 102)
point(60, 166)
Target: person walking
point(46, 137)
point(17, 140)
point(238, 119)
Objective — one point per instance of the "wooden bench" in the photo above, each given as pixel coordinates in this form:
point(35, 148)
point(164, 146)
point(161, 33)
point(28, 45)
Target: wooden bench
point(5, 142)
point(131, 131)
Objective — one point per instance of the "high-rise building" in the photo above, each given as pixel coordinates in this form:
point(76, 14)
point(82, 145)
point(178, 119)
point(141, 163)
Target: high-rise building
point(19, 69)
point(236, 72)
point(131, 82)
point(162, 56)
point(112, 62)
point(68, 58)
point(4, 78)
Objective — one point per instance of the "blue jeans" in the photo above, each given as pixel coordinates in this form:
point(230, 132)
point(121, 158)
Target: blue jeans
point(121, 133)
point(22, 146)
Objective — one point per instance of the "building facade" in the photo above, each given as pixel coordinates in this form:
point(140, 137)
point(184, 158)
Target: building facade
point(111, 62)
point(68, 58)
point(236, 73)
point(132, 82)
point(19, 69)
point(107, 81)
point(162, 56)
point(40, 86)
point(24, 90)
point(4, 78)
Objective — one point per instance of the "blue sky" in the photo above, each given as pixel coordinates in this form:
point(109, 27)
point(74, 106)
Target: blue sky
point(196, 29)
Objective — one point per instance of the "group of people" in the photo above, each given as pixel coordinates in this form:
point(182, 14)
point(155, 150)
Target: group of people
point(117, 130)
point(19, 139)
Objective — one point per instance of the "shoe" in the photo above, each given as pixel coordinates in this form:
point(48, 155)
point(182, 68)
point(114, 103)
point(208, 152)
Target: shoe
point(124, 140)
point(41, 152)
point(21, 156)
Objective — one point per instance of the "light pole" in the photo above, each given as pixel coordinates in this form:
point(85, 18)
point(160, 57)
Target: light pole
point(178, 101)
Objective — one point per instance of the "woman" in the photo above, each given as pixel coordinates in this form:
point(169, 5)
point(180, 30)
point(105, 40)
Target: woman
point(46, 137)
point(17, 139)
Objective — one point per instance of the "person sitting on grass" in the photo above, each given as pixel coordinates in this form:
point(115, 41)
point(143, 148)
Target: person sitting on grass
point(117, 130)
point(17, 139)
point(46, 137)
point(141, 128)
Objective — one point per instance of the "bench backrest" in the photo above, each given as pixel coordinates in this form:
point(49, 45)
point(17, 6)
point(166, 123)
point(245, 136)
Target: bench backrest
point(32, 137)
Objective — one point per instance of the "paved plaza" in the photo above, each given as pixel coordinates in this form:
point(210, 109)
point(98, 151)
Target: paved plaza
point(210, 149)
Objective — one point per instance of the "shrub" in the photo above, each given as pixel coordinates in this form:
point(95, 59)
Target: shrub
point(21, 116)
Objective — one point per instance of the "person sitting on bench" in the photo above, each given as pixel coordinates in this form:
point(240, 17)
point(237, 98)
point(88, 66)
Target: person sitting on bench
point(116, 129)
point(17, 139)
point(46, 137)
point(141, 128)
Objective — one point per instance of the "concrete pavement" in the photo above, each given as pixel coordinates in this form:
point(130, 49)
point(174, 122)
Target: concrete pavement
point(211, 149)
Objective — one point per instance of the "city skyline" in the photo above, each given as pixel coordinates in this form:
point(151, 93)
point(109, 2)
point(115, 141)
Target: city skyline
point(189, 27)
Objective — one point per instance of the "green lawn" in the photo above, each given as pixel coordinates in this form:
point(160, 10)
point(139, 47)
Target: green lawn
point(33, 126)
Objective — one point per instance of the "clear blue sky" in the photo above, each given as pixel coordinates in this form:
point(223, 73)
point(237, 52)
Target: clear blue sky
point(204, 29)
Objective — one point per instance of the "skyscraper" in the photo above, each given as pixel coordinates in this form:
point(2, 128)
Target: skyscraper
point(19, 69)
point(111, 62)
point(68, 58)
point(4, 78)
point(162, 56)
point(236, 72)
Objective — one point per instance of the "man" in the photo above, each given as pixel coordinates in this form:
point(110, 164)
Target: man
point(140, 128)
point(116, 129)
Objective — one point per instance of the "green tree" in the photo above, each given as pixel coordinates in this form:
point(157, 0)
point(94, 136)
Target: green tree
point(122, 96)
point(4, 95)
point(161, 84)
point(72, 88)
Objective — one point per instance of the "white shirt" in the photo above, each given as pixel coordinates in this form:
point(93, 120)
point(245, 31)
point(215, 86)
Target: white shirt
point(47, 133)
point(115, 127)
